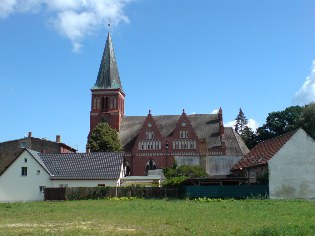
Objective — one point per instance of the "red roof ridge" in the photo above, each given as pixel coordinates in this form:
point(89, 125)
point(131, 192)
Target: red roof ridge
point(264, 151)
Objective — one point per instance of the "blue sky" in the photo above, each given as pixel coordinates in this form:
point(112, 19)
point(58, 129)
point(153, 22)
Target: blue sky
point(172, 54)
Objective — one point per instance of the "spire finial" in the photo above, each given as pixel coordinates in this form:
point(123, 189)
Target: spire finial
point(109, 24)
point(149, 112)
point(183, 111)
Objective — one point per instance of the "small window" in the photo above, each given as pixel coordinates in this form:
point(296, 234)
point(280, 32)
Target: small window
point(38, 172)
point(24, 171)
point(63, 185)
point(101, 185)
point(41, 190)
point(25, 159)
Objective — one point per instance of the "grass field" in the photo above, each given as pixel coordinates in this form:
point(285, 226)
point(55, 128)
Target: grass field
point(159, 217)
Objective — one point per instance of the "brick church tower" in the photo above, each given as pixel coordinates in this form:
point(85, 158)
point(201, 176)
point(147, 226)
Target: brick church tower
point(108, 98)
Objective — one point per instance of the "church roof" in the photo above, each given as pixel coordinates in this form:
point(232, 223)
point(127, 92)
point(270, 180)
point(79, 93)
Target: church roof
point(206, 127)
point(108, 76)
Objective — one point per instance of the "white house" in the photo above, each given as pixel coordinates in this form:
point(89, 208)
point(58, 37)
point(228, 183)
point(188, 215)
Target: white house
point(28, 175)
point(290, 161)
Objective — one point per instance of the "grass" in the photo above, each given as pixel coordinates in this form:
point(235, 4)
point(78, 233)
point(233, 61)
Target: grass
point(159, 217)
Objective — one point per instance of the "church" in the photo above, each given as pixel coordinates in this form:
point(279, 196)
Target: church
point(155, 142)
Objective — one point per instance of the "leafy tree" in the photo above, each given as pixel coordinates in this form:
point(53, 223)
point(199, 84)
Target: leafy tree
point(104, 139)
point(241, 122)
point(178, 174)
point(280, 122)
point(308, 119)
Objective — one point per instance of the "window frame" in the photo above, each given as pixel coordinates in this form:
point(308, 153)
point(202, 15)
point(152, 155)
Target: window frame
point(24, 171)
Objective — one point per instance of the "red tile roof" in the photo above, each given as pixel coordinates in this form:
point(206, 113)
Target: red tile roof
point(263, 151)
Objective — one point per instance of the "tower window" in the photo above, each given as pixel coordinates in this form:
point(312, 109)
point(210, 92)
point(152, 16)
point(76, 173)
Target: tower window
point(103, 103)
point(106, 103)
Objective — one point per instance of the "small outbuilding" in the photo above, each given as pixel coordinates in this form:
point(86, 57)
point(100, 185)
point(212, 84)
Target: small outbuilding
point(31, 172)
point(289, 162)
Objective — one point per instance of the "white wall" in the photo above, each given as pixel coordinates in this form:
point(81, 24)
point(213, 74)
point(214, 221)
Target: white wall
point(15, 187)
point(84, 183)
point(292, 169)
point(186, 160)
point(220, 165)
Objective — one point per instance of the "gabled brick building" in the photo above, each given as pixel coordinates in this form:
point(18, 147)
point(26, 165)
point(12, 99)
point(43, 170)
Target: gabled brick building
point(9, 150)
point(152, 142)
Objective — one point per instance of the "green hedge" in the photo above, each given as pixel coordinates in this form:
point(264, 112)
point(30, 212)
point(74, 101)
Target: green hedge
point(82, 193)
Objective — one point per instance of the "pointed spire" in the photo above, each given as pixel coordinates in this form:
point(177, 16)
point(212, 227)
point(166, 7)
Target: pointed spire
point(108, 76)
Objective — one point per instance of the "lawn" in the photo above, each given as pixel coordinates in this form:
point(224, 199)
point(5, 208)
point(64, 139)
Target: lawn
point(159, 217)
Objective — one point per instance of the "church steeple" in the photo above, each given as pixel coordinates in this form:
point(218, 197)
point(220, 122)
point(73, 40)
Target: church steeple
point(108, 99)
point(108, 75)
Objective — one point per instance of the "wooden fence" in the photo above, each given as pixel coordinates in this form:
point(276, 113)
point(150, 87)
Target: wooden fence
point(80, 193)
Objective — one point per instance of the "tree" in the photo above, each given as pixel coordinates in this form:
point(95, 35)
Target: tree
point(249, 137)
point(178, 174)
point(241, 122)
point(308, 119)
point(280, 122)
point(104, 139)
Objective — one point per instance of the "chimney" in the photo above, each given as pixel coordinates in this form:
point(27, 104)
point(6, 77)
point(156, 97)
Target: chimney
point(88, 150)
point(58, 138)
point(29, 134)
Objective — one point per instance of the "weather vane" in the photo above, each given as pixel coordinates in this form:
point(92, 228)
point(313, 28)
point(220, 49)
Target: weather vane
point(108, 24)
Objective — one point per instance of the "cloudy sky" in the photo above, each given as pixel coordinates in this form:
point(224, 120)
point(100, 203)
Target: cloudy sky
point(172, 54)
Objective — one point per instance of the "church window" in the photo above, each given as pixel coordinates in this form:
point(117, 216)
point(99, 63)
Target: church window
point(115, 102)
point(149, 125)
point(111, 103)
point(103, 103)
point(127, 168)
point(94, 103)
point(106, 104)
point(183, 124)
point(183, 134)
point(150, 165)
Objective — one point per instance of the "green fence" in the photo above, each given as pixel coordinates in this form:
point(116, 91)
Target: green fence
point(233, 191)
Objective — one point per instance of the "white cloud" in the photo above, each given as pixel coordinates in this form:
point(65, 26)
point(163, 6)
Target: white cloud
point(74, 19)
point(230, 123)
point(215, 111)
point(306, 93)
point(253, 124)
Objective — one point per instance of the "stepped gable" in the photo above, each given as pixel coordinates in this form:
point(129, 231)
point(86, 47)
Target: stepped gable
point(206, 127)
point(263, 151)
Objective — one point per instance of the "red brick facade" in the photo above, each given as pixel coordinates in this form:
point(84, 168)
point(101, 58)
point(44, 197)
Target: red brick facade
point(107, 105)
point(150, 145)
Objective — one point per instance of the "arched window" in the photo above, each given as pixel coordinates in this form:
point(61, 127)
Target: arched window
point(127, 168)
point(151, 165)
